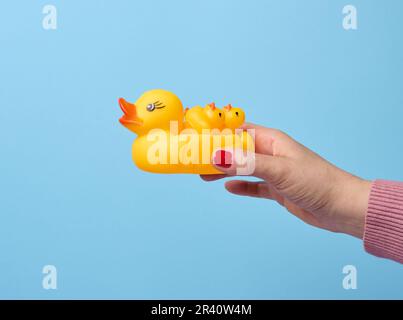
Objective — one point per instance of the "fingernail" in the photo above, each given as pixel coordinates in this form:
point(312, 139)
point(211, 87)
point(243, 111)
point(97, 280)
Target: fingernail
point(222, 158)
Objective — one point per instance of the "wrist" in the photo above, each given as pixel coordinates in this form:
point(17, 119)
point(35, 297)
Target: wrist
point(354, 205)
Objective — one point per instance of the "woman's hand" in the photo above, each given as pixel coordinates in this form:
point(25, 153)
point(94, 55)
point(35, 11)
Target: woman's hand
point(307, 185)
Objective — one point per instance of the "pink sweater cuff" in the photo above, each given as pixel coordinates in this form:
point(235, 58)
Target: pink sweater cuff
point(383, 235)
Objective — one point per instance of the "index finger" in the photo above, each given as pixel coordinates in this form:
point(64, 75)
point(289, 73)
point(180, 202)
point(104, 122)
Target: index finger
point(264, 137)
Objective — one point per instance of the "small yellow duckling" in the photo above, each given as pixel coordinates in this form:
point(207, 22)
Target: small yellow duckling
point(234, 117)
point(195, 118)
point(215, 116)
point(209, 117)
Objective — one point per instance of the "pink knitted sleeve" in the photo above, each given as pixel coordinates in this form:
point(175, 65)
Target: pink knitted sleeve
point(383, 235)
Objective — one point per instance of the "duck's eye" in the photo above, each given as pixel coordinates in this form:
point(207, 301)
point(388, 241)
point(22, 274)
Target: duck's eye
point(151, 107)
point(219, 114)
point(236, 113)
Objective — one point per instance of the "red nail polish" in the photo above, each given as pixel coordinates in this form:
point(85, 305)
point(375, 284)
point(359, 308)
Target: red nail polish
point(222, 158)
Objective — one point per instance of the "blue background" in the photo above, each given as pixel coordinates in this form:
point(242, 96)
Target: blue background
point(70, 195)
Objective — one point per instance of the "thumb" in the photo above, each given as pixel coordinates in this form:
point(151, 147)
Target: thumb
point(266, 167)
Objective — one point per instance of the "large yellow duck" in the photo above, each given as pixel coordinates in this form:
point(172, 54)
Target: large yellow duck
point(173, 141)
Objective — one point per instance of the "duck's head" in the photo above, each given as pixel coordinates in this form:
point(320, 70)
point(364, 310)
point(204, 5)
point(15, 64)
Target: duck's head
point(234, 117)
point(155, 109)
point(215, 116)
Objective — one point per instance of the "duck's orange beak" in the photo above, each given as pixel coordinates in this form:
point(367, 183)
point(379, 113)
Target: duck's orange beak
point(129, 118)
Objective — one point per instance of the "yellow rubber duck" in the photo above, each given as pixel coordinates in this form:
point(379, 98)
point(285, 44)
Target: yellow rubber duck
point(169, 139)
point(154, 109)
point(234, 117)
point(215, 116)
point(209, 117)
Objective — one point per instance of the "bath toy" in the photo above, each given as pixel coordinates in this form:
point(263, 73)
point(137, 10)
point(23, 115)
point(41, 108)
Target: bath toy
point(234, 117)
point(173, 140)
point(209, 117)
